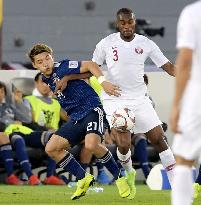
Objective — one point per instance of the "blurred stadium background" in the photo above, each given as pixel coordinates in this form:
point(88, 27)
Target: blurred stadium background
point(73, 27)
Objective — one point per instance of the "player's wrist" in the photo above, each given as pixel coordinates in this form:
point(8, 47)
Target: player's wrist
point(101, 79)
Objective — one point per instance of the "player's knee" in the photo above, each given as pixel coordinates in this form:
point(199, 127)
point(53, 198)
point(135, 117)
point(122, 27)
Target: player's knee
point(55, 145)
point(124, 143)
point(123, 139)
point(16, 138)
point(50, 150)
point(4, 139)
point(91, 147)
point(92, 142)
point(159, 142)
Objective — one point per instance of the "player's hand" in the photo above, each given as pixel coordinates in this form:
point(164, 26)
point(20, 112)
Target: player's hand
point(18, 122)
point(61, 85)
point(174, 117)
point(111, 89)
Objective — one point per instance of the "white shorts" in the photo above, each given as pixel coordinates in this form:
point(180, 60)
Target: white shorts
point(145, 115)
point(188, 143)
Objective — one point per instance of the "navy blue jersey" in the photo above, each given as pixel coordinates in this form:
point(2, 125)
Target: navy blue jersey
point(79, 98)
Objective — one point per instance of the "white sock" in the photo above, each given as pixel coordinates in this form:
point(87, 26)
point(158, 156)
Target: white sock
point(182, 186)
point(125, 160)
point(168, 162)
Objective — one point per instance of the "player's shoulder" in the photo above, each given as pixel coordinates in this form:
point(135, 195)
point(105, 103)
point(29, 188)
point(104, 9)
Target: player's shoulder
point(186, 20)
point(60, 63)
point(142, 39)
point(108, 39)
point(112, 37)
point(66, 63)
point(194, 6)
point(192, 9)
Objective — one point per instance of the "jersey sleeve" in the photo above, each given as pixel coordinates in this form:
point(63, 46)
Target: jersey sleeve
point(156, 55)
point(99, 53)
point(69, 67)
point(185, 30)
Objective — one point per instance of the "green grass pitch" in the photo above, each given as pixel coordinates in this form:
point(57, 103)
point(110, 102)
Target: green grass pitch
point(60, 195)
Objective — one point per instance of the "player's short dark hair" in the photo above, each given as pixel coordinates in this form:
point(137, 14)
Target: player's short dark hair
point(37, 76)
point(124, 11)
point(37, 49)
point(2, 85)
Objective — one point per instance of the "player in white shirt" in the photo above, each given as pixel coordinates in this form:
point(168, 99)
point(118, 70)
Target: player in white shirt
point(186, 112)
point(125, 53)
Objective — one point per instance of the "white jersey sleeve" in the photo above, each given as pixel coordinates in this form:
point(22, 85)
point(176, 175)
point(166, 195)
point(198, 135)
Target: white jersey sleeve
point(185, 30)
point(99, 53)
point(156, 55)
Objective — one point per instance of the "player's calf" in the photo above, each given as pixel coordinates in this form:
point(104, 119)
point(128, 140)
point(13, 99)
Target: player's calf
point(167, 158)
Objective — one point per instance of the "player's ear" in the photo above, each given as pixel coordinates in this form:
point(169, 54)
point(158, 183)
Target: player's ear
point(33, 64)
point(135, 21)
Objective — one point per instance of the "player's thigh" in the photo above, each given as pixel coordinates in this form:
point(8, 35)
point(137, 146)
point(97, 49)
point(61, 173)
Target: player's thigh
point(74, 132)
point(146, 117)
point(95, 125)
point(155, 135)
point(121, 138)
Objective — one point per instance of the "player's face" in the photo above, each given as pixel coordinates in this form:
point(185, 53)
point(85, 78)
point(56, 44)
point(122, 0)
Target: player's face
point(44, 62)
point(2, 94)
point(126, 25)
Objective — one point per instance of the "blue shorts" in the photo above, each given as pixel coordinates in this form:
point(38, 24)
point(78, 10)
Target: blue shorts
point(75, 132)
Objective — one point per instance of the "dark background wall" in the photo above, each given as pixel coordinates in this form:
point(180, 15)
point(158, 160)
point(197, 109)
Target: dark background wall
point(73, 31)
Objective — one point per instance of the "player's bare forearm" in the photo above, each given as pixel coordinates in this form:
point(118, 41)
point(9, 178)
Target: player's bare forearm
point(108, 87)
point(90, 66)
point(183, 67)
point(79, 76)
point(61, 85)
point(169, 68)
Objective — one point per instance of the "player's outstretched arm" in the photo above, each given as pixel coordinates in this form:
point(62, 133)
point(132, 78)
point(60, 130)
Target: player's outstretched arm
point(169, 68)
point(61, 84)
point(183, 64)
point(93, 67)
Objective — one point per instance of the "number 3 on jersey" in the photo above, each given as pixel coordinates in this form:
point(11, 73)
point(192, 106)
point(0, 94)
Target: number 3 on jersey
point(115, 53)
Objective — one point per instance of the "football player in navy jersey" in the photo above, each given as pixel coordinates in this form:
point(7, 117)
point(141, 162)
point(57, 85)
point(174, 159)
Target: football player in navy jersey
point(87, 117)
